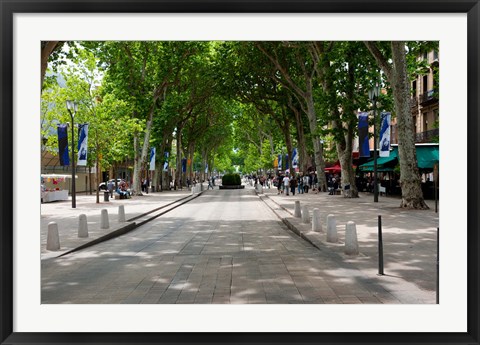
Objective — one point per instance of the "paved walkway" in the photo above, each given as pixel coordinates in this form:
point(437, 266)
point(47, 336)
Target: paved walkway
point(229, 247)
point(409, 236)
point(67, 218)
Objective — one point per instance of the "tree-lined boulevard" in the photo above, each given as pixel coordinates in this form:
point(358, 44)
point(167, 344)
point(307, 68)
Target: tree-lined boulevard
point(230, 247)
point(215, 107)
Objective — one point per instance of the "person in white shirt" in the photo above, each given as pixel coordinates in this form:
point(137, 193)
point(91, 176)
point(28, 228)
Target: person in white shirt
point(286, 183)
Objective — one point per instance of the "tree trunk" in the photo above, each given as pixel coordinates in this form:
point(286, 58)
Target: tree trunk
point(97, 179)
point(178, 169)
point(412, 196)
point(90, 179)
point(302, 147)
point(190, 153)
point(167, 147)
point(349, 120)
point(317, 145)
point(136, 159)
point(48, 48)
point(344, 151)
point(140, 161)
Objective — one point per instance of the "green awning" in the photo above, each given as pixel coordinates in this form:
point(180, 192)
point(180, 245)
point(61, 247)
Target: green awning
point(383, 163)
point(427, 156)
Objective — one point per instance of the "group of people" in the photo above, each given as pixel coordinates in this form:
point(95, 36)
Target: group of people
point(122, 189)
point(302, 183)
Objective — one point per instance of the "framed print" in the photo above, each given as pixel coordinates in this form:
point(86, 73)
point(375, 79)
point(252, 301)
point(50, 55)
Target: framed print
point(35, 310)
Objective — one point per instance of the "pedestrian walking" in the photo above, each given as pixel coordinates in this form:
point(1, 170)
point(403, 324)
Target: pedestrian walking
point(300, 184)
point(293, 184)
point(306, 183)
point(209, 184)
point(280, 184)
point(286, 184)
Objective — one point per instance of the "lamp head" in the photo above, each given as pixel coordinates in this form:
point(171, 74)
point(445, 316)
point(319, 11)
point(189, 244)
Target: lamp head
point(374, 92)
point(72, 105)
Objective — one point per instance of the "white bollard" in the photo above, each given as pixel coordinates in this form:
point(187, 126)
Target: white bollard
point(305, 214)
point(104, 220)
point(316, 221)
point(332, 235)
point(351, 242)
point(53, 240)
point(297, 212)
point(121, 214)
point(193, 190)
point(82, 226)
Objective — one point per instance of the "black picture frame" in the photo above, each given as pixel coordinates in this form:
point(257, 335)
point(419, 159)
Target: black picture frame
point(10, 7)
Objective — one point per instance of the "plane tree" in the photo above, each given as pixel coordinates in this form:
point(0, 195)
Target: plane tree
point(295, 69)
point(392, 59)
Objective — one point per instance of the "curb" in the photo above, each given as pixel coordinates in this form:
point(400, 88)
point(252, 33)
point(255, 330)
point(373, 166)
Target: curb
point(132, 226)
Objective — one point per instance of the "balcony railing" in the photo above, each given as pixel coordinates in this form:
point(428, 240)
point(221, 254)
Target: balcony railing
point(427, 136)
point(428, 96)
point(413, 102)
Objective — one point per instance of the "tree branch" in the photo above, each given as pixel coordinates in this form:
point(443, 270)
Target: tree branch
point(380, 58)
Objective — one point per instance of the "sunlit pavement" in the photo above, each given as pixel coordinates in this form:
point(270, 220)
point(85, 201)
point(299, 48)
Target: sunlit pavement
point(409, 236)
point(229, 247)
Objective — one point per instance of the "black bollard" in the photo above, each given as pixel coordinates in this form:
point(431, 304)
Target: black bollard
point(438, 265)
point(380, 247)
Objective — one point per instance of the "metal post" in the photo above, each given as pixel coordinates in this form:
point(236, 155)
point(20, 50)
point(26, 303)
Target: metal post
point(438, 265)
point(380, 247)
point(74, 202)
point(375, 182)
point(71, 105)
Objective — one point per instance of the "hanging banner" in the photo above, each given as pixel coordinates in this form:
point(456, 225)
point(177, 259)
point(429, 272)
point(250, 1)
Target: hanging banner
point(275, 163)
point(152, 159)
point(385, 134)
point(206, 168)
point(363, 141)
point(184, 165)
point(287, 165)
point(295, 158)
point(165, 161)
point(280, 163)
point(63, 144)
point(82, 144)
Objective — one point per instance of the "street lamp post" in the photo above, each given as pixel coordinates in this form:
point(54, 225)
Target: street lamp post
point(71, 105)
point(373, 95)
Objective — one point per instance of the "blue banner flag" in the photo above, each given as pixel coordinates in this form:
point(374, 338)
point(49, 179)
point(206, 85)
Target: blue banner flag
point(82, 144)
point(363, 142)
point(152, 159)
point(280, 165)
point(184, 165)
point(165, 161)
point(206, 168)
point(385, 134)
point(295, 158)
point(63, 144)
point(287, 166)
